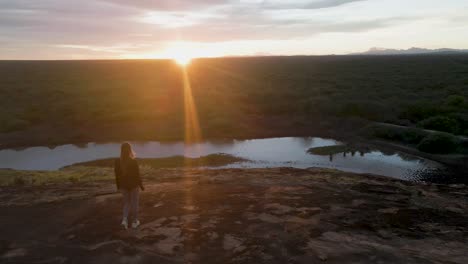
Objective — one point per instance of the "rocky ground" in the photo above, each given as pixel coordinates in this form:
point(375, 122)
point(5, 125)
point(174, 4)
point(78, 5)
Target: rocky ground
point(239, 216)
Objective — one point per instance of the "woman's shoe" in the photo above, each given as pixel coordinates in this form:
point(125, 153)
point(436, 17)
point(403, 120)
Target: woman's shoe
point(135, 224)
point(124, 223)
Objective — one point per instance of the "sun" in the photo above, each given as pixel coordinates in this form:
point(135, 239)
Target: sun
point(182, 59)
point(182, 53)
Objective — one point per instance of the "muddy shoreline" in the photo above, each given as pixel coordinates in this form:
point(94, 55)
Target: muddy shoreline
point(278, 215)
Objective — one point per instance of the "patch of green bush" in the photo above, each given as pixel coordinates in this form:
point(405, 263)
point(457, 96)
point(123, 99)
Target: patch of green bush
point(221, 124)
point(413, 135)
point(329, 150)
point(382, 132)
point(212, 160)
point(455, 101)
point(73, 175)
point(19, 181)
point(463, 149)
point(421, 111)
point(32, 114)
point(440, 123)
point(401, 134)
point(462, 120)
point(10, 125)
point(368, 110)
point(439, 143)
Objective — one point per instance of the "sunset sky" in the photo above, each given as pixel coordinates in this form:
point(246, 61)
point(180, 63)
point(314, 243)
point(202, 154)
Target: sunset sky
point(102, 29)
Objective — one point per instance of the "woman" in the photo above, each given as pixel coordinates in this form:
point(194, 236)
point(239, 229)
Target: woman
point(127, 178)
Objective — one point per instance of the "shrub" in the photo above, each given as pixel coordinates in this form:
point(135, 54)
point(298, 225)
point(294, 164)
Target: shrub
point(19, 181)
point(420, 111)
point(464, 147)
point(366, 110)
point(405, 135)
point(440, 123)
point(456, 101)
point(221, 125)
point(375, 131)
point(11, 125)
point(413, 135)
point(32, 115)
point(73, 179)
point(440, 143)
point(462, 120)
point(329, 150)
point(400, 122)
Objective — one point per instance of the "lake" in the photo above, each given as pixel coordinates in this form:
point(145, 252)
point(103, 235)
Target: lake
point(262, 153)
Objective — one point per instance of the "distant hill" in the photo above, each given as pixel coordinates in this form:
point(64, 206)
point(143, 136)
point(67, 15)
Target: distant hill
point(410, 51)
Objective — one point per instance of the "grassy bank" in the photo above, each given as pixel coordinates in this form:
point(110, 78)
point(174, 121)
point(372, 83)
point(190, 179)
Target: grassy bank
point(428, 141)
point(19, 178)
point(101, 170)
point(212, 160)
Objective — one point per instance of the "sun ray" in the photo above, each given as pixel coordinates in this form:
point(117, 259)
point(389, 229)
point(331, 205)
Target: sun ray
point(182, 55)
point(192, 125)
point(192, 133)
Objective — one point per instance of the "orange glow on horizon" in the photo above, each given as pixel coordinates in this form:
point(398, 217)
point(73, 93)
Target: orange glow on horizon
point(182, 60)
point(183, 52)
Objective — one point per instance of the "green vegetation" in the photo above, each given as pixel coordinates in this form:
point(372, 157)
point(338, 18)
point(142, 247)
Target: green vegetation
point(79, 101)
point(77, 174)
point(439, 143)
point(407, 135)
point(441, 123)
point(100, 170)
point(329, 150)
point(213, 160)
point(12, 124)
point(462, 120)
point(447, 115)
point(426, 141)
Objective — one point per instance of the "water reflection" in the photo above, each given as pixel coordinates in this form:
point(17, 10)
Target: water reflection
point(305, 141)
point(272, 152)
point(78, 145)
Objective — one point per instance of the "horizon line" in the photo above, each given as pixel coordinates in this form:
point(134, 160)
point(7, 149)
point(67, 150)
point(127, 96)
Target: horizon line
point(239, 56)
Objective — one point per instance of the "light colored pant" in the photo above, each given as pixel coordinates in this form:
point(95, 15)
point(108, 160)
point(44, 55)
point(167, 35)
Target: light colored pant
point(130, 203)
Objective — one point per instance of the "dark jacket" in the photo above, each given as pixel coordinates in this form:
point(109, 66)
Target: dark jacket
point(129, 180)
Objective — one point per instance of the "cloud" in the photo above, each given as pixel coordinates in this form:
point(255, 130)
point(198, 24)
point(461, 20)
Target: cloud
point(267, 30)
point(176, 19)
point(178, 5)
point(113, 25)
point(307, 4)
point(168, 5)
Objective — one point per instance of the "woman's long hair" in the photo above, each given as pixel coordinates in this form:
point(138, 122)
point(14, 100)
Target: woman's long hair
point(126, 154)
